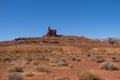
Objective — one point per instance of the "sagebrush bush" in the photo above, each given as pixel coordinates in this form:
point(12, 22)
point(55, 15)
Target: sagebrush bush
point(42, 57)
point(98, 59)
point(54, 60)
point(63, 78)
point(62, 63)
point(89, 76)
point(15, 76)
point(36, 62)
point(15, 68)
point(29, 59)
point(74, 58)
point(6, 58)
point(29, 74)
point(42, 69)
point(109, 66)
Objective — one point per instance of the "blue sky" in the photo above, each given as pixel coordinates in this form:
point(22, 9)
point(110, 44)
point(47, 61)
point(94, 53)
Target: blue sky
point(30, 18)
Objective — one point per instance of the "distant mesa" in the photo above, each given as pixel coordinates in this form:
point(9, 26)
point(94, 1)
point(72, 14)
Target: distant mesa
point(113, 41)
point(52, 33)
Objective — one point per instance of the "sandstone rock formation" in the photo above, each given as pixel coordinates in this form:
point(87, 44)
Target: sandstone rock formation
point(112, 41)
point(52, 33)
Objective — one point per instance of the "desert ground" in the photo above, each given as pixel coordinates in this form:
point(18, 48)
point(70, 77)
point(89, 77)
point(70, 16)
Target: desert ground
point(59, 58)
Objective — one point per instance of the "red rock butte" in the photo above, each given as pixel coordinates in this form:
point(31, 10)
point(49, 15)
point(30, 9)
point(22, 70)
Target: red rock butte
point(52, 33)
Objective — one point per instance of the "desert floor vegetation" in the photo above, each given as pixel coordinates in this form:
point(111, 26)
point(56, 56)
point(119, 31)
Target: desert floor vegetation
point(89, 75)
point(45, 62)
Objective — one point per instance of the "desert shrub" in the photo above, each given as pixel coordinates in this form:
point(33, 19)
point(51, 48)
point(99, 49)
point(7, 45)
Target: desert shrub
point(62, 63)
point(20, 63)
point(54, 60)
point(18, 51)
point(63, 78)
point(15, 68)
point(89, 76)
point(17, 57)
point(29, 74)
point(114, 59)
point(59, 62)
point(12, 64)
point(99, 59)
point(109, 66)
point(15, 76)
point(74, 58)
point(0, 59)
point(42, 57)
point(88, 55)
point(36, 62)
point(29, 59)
point(6, 58)
point(42, 69)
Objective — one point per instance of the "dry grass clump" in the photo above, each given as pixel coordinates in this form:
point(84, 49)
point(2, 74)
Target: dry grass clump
point(15, 68)
point(29, 74)
point(15, 76)
point(99, 59)
point(109, 66)
point(42, 69)
point(89, 75)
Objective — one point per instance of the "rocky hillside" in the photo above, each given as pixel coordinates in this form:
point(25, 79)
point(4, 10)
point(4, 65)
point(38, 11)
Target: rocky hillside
point(54, 43)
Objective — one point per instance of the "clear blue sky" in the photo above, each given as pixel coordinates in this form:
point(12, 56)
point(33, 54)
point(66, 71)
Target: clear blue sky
point(30, 18)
